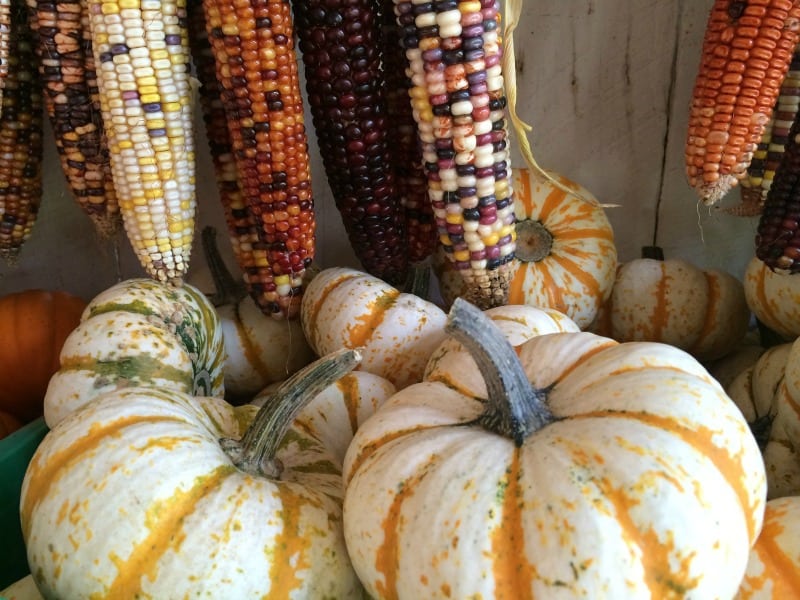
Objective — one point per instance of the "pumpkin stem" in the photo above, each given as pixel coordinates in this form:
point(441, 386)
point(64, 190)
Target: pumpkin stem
point(255, 452)
point(534, 241)
point(515, 409)
point(227, 289)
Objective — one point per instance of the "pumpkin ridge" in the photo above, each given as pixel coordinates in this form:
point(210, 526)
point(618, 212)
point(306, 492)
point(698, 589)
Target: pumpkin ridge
point(42, 477)
point(360, 332)
point(250, 352)
point(709, 324)
point(164, 518)
point(697, 438)
point(134, 368)
point(574, 269)
point(348, 385)
point(321, 298)
point(782, 571)
point(516, 289)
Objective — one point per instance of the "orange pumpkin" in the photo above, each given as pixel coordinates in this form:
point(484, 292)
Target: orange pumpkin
point(33, 327)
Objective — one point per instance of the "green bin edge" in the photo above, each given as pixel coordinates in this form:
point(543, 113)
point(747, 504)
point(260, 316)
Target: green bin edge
point(16, 451)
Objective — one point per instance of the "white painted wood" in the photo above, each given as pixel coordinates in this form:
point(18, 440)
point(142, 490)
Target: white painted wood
point(606, 86)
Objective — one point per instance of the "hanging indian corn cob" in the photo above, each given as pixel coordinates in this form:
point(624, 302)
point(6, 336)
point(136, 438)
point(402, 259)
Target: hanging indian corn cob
point(455, 54)
point(405, 152)
point(141, 56)
point(340, 44)
point(253, 45)
point(768, 155)
point(778, 233)
point(20, 138)
point(5, 38)
point(746, 54)
point(72, 102)
point(242, 227)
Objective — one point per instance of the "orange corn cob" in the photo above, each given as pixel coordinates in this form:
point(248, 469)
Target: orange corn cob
point(746, 53)
point(253, 45)
point(20, 139)
point(242, 228)
point(72, 103)
point(141, 54)
point(454, 53)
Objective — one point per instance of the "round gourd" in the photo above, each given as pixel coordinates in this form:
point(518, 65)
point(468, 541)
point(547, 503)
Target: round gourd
point(774, 298)
point(395, 331)
point(672, 301)
point(33, 327)
point(153, 493)
point(259, 349)
point(565, 247)
point(591, 469)
point(139, 332)
point(773, 571)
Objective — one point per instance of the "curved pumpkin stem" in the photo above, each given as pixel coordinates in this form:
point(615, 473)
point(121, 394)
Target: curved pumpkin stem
point(418, 280)
point(534, 241)
point(256, 452)
point(515, 408)
point(228, 289)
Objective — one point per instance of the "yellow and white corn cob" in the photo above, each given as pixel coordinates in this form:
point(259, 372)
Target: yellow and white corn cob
point(141, 52)
point(5, 43)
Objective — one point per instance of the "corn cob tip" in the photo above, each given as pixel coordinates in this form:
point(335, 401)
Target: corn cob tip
point(489, 289)
point(711, 193)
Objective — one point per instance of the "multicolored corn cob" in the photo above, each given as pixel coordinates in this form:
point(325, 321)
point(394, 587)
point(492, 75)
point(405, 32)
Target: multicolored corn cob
point(768, 155)
point(21, 143)
point(340, 44)
point(253, 45)
point(5, 46)
point(454, 53)
point(778, 233)
point(746, 54)
point(405, 152)
point(72, 102)
point(142, 58)
point(242, 227)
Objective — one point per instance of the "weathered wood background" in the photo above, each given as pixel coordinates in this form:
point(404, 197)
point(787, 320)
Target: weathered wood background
point(606, 86)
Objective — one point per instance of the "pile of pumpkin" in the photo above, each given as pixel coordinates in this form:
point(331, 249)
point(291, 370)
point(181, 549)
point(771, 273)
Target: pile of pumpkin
point(381, 445)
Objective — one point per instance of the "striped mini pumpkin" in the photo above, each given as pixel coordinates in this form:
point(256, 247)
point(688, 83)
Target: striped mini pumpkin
point(139, 332)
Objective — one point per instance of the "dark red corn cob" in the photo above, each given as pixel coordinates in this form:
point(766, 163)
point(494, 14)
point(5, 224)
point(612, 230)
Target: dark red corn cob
point(778, 234)
point(405, 151)
point(340, 42)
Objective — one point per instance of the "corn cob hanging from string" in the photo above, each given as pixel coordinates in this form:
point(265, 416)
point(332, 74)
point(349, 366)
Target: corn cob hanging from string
point(5, 46)
point(142, 60)
point(405, 151)
point(340, 45)
point(768, 155)
point(778, 233)
point(20, 138)
point(455, 54)
point(242, 227)
point(253, 45)
point(746, 54)
point(72, 102)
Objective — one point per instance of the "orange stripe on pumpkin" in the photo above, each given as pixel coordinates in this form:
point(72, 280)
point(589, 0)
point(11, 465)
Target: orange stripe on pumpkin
point(712, 310)
point(348, 386)
point(322, 297)
point(516, 290)
point(779, 568)
point(360, 332)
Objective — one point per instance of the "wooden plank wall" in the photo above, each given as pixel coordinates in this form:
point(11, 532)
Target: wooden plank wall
point(605, 84)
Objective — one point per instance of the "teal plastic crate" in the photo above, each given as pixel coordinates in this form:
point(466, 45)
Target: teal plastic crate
point(16, 451)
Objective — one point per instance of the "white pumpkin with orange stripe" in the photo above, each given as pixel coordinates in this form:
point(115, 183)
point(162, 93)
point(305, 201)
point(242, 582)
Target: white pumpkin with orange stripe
point(396, 332)
point(774, 297)
point(565, 250)
point(582, 468)
point(672, 301)
point(773, 571)
point(153, 493)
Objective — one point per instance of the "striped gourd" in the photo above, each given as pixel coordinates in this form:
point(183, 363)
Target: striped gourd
point(454, 53)
point(746, 54)
point(257, 68)
point(72, 102)
point(139, 332)
point(340, 43)
point(21, 146)
point(768, 155)
point(141, 55)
